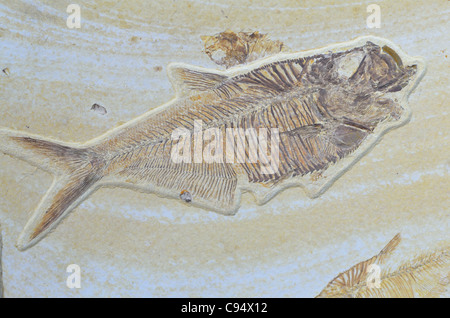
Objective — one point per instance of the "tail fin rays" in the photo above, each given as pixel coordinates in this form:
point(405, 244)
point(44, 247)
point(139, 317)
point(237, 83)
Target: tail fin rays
point(64, 195)
point(52, 156)
point(76, 171)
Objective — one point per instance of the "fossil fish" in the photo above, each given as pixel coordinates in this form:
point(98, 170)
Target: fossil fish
point(425, 276)
point(328, 107)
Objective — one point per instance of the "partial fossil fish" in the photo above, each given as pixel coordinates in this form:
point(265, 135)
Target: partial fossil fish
point(427, 276)
point(322, 109)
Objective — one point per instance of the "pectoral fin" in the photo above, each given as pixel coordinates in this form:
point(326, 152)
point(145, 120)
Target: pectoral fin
point(348, 137)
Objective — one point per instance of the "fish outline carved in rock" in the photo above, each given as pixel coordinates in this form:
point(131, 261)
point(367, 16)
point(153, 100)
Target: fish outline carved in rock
point(319, 130)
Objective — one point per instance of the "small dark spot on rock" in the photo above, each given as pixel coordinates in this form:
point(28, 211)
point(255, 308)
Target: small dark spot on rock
point(186, 196)
point(157, 68)
point(6, 71)
point(134, 39)
point(99, 109)
point(223, 12)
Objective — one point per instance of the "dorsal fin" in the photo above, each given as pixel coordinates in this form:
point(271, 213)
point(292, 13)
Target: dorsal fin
point(388, 249)
point(189, 80)
point(346, 282)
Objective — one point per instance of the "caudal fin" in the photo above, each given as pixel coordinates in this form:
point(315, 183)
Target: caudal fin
point(76, 170)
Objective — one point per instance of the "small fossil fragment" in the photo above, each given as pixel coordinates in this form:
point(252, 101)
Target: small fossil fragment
point(425, 276)
point(6, 71)
point(99, 109)
point(229, 48)
point(320, 111)
point(186, 196)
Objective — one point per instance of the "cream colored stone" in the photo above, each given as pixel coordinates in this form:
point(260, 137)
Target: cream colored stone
point(1, 275)
point(134, 244)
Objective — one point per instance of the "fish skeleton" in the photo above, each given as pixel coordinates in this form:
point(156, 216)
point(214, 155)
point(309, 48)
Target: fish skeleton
point(425, 276)
point(327, 106)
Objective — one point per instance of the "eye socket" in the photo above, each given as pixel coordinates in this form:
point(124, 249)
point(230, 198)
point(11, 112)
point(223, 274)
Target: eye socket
point(349, 63)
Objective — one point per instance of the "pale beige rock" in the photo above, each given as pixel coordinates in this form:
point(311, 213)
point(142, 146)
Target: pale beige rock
point(133, 244)
point(1, 271)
